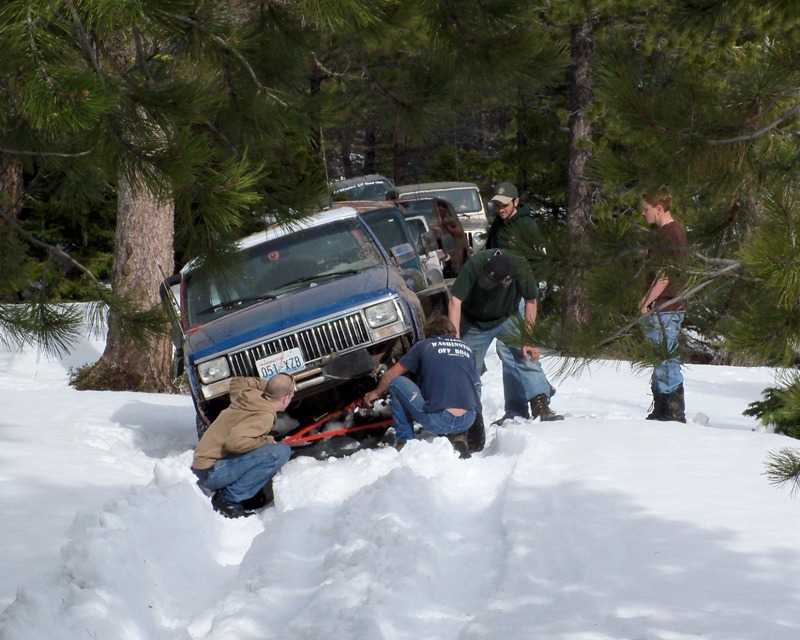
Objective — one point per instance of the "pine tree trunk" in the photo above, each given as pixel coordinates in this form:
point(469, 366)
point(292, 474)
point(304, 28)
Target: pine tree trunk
point(370, 141)
point(10, 185)
point(574, 310)
point(144, 239)
point(522, 147)
point(399, 144)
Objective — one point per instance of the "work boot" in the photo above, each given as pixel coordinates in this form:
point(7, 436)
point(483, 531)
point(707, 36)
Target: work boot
point(658, 406)
point(264, 498)
point(476, 436)
point(540, 408)
point(499, 422)
point(229, 509)
point(674, 407)
point(460, 446)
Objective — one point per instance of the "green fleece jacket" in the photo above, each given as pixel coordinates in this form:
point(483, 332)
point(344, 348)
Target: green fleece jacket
point(502, 231)
point(240, 428)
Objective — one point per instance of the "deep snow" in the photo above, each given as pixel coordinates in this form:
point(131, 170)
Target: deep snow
point(603, 526)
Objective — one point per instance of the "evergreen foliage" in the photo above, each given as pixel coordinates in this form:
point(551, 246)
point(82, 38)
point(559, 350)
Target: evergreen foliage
point(240, 112)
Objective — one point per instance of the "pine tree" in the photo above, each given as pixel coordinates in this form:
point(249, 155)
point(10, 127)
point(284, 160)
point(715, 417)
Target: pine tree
point(196, 107)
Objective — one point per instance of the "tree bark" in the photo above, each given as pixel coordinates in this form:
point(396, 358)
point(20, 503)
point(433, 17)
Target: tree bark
point(574, 310)
point(143, 241)
point(399, 148)
point(10, 185)
point(370, 141)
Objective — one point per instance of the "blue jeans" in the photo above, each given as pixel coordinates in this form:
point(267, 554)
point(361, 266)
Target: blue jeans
point(409, 405)
point(239, 476)
point(523, 378)
point(661, 331)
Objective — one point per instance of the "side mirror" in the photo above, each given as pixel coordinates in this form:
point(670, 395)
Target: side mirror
point(402, 253)
point(170, 293)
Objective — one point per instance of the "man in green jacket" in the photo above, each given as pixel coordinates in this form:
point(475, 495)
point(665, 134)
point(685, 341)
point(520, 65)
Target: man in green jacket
point(513, 218)
point(484, 306)
point(236, 457)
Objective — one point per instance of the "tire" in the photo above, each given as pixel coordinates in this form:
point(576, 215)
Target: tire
point(200, 425)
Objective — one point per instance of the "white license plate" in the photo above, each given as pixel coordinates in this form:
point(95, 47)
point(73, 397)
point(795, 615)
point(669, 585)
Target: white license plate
point(284, 362)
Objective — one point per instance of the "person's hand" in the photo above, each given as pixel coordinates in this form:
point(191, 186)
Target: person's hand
point(531, 353)
point(370, 397)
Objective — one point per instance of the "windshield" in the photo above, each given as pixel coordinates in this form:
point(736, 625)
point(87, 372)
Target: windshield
point(466, 200)
point(273, 268)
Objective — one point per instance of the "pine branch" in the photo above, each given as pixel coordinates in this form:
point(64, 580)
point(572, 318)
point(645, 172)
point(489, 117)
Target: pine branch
point(734, 265)
point(50, 248)
point(758, 132)
point(56, 154)
point(783, 468)
point(83, 39)
point(225, 46)
point(365, 76)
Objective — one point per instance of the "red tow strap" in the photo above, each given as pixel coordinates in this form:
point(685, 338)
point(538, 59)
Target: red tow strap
point(300, 437)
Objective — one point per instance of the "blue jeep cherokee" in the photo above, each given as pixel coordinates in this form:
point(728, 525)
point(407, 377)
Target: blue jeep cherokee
point(322, 301)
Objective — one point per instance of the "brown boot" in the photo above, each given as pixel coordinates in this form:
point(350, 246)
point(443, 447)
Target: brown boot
point(460, 445)
point(540, 408)
point(476, 436)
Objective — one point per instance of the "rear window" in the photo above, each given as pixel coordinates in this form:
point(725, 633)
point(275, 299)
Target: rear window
point(466, 200)
point(363, 191)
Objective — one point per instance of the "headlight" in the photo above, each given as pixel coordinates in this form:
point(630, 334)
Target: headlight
point(213, 370)
point(381, 314)
point(479, 236)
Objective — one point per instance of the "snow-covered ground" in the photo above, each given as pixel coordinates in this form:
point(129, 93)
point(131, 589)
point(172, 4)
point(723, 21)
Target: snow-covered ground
point(602, 527)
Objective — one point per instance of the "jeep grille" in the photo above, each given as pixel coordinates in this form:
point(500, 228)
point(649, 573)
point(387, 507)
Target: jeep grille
point(335, 336)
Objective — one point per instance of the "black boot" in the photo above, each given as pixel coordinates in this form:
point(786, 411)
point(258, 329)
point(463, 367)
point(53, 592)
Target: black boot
point(540, 408)
point(264, 498)
point(674, 407)
point(476, 436)
point(658, 406)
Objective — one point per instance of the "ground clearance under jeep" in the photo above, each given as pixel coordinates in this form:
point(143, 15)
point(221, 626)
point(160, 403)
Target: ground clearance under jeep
point(322, 301)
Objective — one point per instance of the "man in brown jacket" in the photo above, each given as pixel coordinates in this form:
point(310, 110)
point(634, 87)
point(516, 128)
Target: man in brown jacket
point(237, 458)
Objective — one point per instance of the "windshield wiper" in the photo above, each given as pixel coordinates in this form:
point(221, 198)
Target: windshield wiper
point(230, 304)
point(322, 276)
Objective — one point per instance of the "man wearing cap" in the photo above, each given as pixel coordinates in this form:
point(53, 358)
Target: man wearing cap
point(485, 300)
point(513, 219)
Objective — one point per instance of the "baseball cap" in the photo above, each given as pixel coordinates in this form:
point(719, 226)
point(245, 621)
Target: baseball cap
point(505, 192)
point(495, 271)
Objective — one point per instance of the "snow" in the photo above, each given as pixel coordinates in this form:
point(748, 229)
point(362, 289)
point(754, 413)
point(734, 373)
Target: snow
point(602, 527)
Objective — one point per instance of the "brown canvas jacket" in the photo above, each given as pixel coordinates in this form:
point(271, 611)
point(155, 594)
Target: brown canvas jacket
point(240, 428)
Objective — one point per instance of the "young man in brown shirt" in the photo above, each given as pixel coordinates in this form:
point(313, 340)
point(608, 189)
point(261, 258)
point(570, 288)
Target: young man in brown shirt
point(663, 312)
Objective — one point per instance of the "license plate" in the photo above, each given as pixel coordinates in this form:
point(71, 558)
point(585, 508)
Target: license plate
point(284, 362)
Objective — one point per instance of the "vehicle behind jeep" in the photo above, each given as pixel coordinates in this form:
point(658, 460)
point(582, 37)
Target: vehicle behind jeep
point(465, 198)
point(371, 187)
point(322, 301)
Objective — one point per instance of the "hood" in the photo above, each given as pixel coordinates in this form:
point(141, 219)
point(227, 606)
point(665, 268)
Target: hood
point(289, 311)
